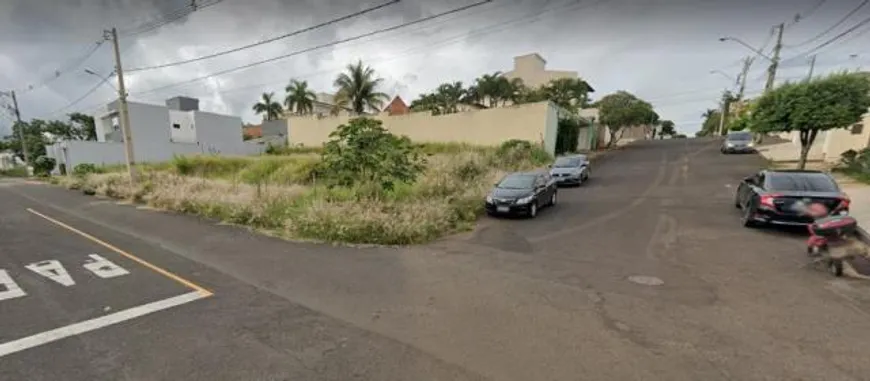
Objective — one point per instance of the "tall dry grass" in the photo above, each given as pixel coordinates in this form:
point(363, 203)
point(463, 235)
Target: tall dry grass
point(280, 194)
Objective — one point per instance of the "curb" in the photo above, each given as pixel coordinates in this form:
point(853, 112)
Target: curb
point(863, 235)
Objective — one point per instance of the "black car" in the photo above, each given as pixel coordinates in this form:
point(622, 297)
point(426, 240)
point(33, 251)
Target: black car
point(781, 197)
point(522, 193)
point(738, 142)
point(570, 170)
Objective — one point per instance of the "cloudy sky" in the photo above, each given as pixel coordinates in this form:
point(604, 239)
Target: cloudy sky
point(661, 50)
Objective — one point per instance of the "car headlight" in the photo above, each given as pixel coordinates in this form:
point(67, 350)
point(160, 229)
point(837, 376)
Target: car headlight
point(525, 200)
point(751, 144)
point(489, 199)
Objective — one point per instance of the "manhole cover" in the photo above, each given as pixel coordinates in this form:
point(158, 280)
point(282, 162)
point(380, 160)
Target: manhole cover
point(646, 280)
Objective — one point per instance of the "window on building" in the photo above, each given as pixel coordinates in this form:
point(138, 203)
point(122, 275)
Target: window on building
point(176, 126)
point(857, 129)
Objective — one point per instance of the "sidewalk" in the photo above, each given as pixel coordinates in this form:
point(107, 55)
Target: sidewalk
point(859, 210)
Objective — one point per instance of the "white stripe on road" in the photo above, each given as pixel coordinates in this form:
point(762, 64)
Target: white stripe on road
point(96, 323)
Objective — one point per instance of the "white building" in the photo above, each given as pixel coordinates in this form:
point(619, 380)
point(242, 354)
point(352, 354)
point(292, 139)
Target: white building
point(158, 134)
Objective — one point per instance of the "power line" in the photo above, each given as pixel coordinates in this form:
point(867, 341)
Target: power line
point(172, 17)
point(317, 47)
point(75, 63)
point(832, 27)
point(571, 6)
point(81, 98)
point(831, 40)
point(269, 40)
point(803, 15)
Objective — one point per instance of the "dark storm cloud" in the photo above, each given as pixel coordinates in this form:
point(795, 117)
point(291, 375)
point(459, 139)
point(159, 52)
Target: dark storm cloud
point(661, 49)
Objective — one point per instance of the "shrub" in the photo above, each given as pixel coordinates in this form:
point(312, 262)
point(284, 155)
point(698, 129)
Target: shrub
point(86, 168)
point(19, 171)
point(364, 152)
point(519, 154)
point(43, 165)
point(568, 134)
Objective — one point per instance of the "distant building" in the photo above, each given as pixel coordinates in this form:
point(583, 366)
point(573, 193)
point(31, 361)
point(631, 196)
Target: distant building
point(159, 132)
point(532, 69)
point(397, 107)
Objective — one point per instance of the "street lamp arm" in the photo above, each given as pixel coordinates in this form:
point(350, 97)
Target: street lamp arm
point(739, 41)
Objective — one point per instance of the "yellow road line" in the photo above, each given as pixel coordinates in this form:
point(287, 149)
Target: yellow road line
point(129, 256)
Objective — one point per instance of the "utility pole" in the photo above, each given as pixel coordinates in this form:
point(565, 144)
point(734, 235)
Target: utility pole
point(723, 113)
point(747, 63)
point(122, 108)
point(20, 128)
point(812, 67)
point(774, 62)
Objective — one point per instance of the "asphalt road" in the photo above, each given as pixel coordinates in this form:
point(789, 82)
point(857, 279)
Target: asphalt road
point(544, 299)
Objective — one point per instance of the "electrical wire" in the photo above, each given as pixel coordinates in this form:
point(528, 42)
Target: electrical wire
point(830, 41)
point(832, 27)
point(172, 17)
point(80, 98)
point(269, 40)
point(569, 7)
point(317, 47)
point(74, 64)
point(803, 15)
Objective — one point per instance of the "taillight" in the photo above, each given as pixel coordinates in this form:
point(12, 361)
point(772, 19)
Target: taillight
point(767, 200)
point(844, 203)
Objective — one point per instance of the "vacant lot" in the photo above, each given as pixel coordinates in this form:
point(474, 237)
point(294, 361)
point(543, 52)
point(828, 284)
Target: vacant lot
point(283, 194)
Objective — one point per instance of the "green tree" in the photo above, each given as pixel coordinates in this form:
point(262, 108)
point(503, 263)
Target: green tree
point(710, 124)
point(622, 109)
point(363, 152)
point(299, 99)
point(268, 107)
point(571, 94)
point(85, 126)
point(427, 102)
point(668, 128)
point(835, 101)
point(358, 89)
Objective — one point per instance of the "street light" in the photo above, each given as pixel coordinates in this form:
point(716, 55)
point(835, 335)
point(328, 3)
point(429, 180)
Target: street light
point(739, 41)
point(91, 72)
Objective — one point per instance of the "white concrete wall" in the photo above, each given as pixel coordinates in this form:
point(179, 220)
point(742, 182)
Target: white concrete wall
point(186, 131)
point(221, 134)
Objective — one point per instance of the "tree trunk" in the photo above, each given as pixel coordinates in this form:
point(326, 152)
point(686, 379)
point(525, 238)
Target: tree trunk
point(807, 138)
point(613, 138)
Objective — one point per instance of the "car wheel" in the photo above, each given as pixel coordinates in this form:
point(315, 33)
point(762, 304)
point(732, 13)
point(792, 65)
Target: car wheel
point(533, 210)
point(552, 200)
point(747, 220)
point(737, 202)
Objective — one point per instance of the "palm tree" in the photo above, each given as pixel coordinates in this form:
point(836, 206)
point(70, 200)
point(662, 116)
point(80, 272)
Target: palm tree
point(299, 97)
point(268, 107)
point(449, 96)
point(358, 89)
point(707, 114)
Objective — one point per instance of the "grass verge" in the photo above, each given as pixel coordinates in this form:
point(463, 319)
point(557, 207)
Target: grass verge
point(280, 194)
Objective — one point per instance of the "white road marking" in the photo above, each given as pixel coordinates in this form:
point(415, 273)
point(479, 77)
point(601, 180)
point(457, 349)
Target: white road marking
point(53, 270)
point(12, 290)
point(96, 323)
point(103, 267)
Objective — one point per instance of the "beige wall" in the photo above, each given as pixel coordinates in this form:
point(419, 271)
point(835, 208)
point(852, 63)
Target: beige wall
point(535, 122)
point(842, 140)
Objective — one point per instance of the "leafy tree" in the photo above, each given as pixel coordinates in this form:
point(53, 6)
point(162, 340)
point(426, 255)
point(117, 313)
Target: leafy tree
point(621, 110)
point(268, 107)
point(710, 124)
point(667, 128)
point(495, 90)
point(299, 97)
point(445, 100)
point(84, 125)
point(570, 94)
point(358, 89)
point(427, 102)
point(835, 101)
point(363, 152)
point(568, 133)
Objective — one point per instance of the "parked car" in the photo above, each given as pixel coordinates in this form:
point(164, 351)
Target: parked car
point(522, 193)
point(570, 170)
point(782, 197)
point(738, 142)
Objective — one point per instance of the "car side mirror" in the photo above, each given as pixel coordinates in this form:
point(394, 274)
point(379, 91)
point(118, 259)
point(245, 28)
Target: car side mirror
point(748, 180)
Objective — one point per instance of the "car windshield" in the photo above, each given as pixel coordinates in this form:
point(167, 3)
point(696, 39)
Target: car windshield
point(806, 182)
point(516, 182)
point(568, 162)
point(739, 136)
